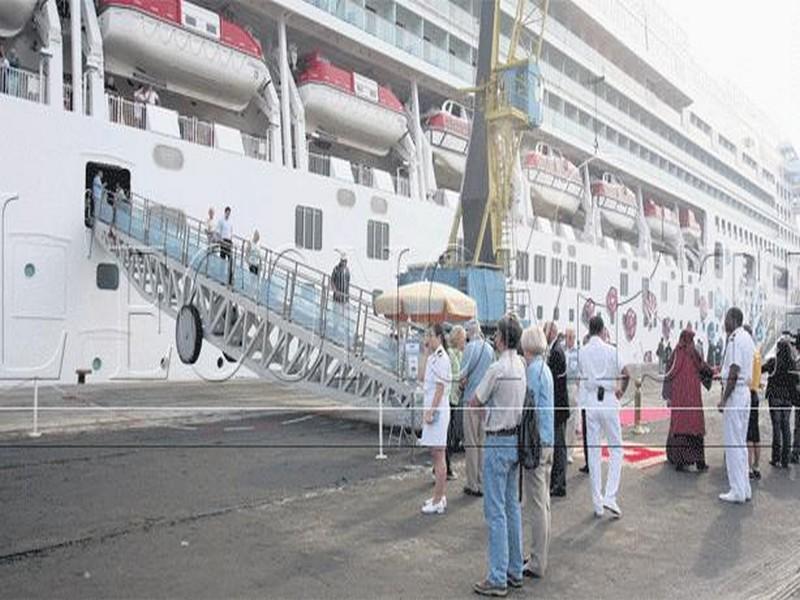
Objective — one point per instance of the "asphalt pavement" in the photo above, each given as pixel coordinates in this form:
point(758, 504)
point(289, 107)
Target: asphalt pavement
point(293, 504)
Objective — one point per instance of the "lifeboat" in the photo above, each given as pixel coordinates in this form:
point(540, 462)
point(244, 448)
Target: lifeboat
point(448, 130)
point(183, 48)
point(663, 223)
point(14, 15)
point(350, 109)
point(617, 204)
point(556, 186)
point(690, 228)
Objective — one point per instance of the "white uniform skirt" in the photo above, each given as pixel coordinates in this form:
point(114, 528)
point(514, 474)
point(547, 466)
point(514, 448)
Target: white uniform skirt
point(435, 434)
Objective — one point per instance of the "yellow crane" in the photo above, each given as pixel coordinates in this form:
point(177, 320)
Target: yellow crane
point(508, 103)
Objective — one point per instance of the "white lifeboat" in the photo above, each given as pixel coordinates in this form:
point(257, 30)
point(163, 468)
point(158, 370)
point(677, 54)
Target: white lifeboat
point(690, 228)
point(663, 222)
point(349, 108)
point(556, 185)
point(184, 48)
point(448, 130)
point(14, 15)
point(617, 204)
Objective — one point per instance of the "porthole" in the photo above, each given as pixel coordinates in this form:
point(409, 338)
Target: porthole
point(97, 364)
point(30, 270)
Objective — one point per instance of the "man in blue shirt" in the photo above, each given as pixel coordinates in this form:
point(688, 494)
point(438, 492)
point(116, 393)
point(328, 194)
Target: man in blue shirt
point(537, 481)
point(478, 355)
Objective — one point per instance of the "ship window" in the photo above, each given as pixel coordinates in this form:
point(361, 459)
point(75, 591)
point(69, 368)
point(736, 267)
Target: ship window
point(586, 277)
point(539, 312)
point(645, 285)
point(571, 315)
point(212, 29)
point(107, 276)
point(623, 263)
point(635, 265)
point(377, 240)
point(572, 274)
point(523, 266)
point(681, 294)
point(191, 21)
point(718, 253)
point(623, 284)
point(556, 267)
point(664, 291)
point(308, 228)
point(539, 269)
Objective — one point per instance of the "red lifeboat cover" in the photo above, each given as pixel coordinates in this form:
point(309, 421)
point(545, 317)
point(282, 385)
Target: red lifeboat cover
point(446, 122)
point(688, 220)
point(319, 70)
point(231, 34)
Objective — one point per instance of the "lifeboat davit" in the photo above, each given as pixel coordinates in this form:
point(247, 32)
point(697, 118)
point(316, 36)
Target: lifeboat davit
point(690, 228)
point(184, 48)
point(617, 204)
point(556, 185)
point(14, 15)
point(350, 109)
point(448, 130)
point(663, 222)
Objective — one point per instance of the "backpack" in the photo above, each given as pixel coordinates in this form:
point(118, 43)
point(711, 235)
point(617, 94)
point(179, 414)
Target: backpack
point(529, 445)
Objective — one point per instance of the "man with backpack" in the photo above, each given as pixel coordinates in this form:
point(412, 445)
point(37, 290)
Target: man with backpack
point(501, 393)
point(537, 479)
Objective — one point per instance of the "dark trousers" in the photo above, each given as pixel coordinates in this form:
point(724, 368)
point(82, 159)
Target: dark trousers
point(558, 475)
point(585, 445)
point(796, 447)
point(225, 251)
point(781, 434)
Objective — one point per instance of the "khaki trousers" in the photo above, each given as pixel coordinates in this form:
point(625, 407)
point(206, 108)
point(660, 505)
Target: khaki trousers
point(474, 440)
point(536, 510)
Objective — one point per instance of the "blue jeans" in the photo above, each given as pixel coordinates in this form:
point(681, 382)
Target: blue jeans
point(501, 508)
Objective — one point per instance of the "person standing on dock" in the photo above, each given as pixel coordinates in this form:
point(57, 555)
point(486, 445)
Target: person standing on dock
point(340, 280)
point(557, 363)
point(478, 355)
point(600, 368)
point(225, 237)
point(737, 369)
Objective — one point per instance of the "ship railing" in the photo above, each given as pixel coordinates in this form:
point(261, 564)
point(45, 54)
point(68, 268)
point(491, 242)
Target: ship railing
point(196, 131)
point(319, 164)
point(363, 174)
point(402, 186)
point(543, 178)
point(280, 281)
point(255, 147)
point(127, 112)
point(22, 83)
point(67, 95)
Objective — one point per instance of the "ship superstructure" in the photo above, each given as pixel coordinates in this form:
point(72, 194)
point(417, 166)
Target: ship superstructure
point(650, 192)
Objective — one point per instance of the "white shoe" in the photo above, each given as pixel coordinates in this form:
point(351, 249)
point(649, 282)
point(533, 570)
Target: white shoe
point(731, 497)
point(598, 513)
point(430, 501)
point(613, 508)
point(570, 460)
point(429, 508)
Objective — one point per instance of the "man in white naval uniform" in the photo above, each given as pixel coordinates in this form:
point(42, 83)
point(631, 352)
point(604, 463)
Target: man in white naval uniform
point(600, 368)
point(737, 370)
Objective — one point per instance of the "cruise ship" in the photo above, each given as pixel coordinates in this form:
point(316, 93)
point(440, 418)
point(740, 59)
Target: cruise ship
point(651, 193)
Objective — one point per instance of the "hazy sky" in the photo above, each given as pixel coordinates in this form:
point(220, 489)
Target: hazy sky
point(755, 44)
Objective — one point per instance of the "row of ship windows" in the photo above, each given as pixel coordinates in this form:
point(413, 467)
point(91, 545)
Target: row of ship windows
point(748, 237)
point(561, 62)
point(308, 233)
point(600, 128)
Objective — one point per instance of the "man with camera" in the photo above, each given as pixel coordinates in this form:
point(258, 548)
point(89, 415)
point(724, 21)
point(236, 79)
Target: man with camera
point(599, 369)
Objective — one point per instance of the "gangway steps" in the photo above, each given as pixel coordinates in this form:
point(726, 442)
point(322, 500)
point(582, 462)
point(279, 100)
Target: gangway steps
point(280, 320)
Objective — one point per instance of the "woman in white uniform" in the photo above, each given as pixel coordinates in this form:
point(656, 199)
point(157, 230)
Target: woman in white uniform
point(436, 417)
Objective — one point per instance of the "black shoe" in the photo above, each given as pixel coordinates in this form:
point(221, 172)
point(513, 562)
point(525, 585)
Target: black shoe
point(795, 459)
point(558, 493)
point(451, 476)
point(471, 492)
point(702, 467)
point(680, 468)
point(774, 463)
point(756, 474)
point(584, 469)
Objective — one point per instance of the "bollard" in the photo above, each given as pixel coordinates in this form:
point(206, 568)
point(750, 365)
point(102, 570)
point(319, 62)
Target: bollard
point(638, 428)
point(35, 433)
point(380, 455)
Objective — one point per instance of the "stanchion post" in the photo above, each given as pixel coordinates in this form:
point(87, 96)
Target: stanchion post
point(380, 455)
point(35, 433)
point(638, 428)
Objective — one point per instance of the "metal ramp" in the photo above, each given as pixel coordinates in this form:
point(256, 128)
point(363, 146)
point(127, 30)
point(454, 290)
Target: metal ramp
point(280, 322)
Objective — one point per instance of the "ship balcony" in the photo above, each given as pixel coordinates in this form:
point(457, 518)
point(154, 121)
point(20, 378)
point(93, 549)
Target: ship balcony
point(188, 128)
point(21, 83)
point(352, 172)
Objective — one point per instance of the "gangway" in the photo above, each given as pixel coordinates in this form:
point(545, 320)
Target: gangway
point(281, 321)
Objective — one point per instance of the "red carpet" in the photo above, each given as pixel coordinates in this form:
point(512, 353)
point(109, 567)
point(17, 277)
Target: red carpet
point(649, 415)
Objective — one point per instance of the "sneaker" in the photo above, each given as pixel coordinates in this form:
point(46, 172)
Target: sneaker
point(429, 508)
point(527, 570)
point(513, 582)
point(486, 588)
point(570, 460)
point(584, 469)
point(471, 492)
point(702, 467)
point(731, 497)
point(598, 513)
point(614, 509)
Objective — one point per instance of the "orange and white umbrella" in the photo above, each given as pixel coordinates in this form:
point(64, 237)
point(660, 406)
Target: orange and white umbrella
point(426, 302)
